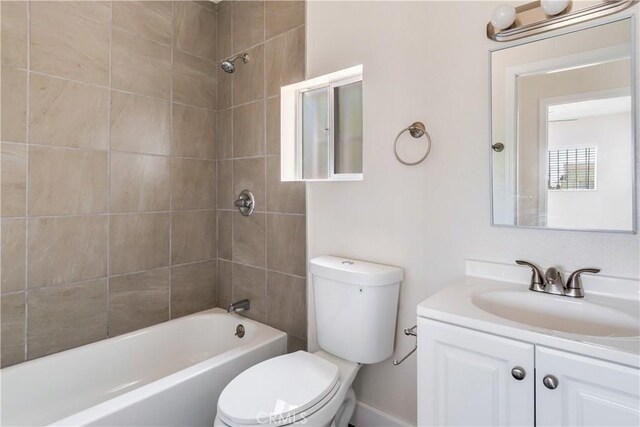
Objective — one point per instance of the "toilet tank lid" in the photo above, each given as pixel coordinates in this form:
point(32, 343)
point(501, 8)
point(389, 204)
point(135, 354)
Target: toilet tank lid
point(354, 271)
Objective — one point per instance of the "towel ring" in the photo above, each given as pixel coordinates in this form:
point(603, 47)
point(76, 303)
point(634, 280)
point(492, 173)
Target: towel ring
point(416, 130)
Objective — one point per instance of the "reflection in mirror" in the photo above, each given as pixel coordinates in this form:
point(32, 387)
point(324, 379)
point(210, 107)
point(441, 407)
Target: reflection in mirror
point(563, 108)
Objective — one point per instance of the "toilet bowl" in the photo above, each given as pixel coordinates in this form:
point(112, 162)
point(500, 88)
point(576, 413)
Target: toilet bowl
point(301, 389)
point(355, 306)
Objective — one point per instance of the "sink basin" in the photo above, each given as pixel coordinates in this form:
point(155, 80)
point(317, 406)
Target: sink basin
point(593, 315)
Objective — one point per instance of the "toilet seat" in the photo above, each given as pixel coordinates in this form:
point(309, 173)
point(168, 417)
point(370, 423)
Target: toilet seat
point(279, 391)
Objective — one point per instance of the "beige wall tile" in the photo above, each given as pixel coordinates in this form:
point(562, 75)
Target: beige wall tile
point(225, 283)
point(273, 125)
point(12, 318)
point(296, 344)
point(67, 42)
point(249, 239)
point(139, 183)
point(66, 249)
point(68, 316)
point(99, 11)
point(67, 182)
point(212, 7)
point(225, 88)
point(62, 112)
point(248, 24)
point(248, 130)
point(194, 132)
point(13, 20)
point(282, 16)
point(287, 303)
point(249, 174)
point(138, 300)
point(13, 255)
point(138, 242)
point(140, 124)
point(224, 138)
point(248, 80)
point(140, 66)
point(225, 235)
point(224, 47)
point(193, 184)
point(194, 80)
point(225, 185)
point(251, 283)
point(193, 288)
point(193, 236)
point(284, 60)
point(286, 243)
point(286, 197)
point(13, 179)
point(149, 19)
point(195, 29)
point(13, 121)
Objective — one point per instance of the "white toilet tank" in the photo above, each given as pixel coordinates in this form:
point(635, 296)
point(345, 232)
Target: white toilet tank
point(356, 305)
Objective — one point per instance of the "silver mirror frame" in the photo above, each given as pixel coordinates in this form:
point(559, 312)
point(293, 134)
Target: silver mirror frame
point(635, 109)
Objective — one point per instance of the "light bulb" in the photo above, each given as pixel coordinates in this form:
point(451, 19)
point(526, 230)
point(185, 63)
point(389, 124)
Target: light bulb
point(553, 7)
point(503, 16)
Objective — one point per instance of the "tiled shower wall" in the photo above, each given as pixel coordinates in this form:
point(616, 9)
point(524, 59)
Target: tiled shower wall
point(109, 171)
point(261, 257)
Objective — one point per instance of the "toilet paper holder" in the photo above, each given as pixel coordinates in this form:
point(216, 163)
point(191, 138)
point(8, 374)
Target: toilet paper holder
point(413, 332)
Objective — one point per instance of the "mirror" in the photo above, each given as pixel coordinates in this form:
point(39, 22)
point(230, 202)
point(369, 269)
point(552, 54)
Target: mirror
point(563, 138)
point(321, 128)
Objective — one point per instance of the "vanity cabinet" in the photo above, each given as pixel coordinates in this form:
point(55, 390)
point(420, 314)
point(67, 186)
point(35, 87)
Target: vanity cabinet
point(590, 391)
point(472, 378)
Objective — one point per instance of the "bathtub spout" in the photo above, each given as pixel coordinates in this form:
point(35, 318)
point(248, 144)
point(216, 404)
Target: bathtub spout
point(238, 306)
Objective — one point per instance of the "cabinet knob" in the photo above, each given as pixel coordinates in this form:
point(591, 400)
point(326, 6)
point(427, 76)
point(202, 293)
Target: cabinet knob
point(550, 382)
point(518, 373)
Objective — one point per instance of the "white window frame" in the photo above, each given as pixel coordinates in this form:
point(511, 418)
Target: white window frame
point(291, 129)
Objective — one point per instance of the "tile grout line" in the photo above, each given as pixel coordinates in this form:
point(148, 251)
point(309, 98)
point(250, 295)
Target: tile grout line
point(100, 150)
point(264, 157)
point(115, 213)
point(216, 283)
point(171, 159)
point(26, 201)
point(108, 317)
point(233, 221)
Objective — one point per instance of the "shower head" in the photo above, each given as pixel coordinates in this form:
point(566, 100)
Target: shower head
point(229, 65)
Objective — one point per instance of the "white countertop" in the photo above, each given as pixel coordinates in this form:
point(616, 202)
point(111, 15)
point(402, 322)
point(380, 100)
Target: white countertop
point(454, 305)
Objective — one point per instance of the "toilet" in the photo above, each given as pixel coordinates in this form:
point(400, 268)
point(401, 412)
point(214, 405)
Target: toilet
point(355, 311)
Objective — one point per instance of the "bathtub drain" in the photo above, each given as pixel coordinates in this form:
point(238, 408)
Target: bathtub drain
point(239, 331)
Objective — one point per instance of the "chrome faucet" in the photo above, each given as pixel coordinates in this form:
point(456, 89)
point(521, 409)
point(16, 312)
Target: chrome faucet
point(238, 306)
point(551, 282)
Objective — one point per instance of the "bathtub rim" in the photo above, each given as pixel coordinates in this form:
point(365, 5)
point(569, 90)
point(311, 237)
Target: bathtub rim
point(265, 335)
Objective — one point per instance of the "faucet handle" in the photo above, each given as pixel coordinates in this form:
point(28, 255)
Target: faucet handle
point(574, 284)
point(537, 282)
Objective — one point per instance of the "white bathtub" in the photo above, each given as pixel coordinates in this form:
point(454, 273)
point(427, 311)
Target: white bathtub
point(170, 374)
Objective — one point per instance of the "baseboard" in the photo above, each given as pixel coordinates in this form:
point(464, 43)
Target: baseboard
point(368, 416)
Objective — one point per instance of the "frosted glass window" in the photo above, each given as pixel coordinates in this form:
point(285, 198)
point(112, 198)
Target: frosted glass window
point(347, 132)
point(315, 133)
point(321, 128)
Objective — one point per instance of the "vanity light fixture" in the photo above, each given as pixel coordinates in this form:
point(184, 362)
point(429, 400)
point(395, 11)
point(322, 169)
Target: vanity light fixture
point(553, 7)
point(503, 16)
point(545, 15)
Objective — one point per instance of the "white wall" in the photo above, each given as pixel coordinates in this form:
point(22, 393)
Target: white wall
point(429, 62)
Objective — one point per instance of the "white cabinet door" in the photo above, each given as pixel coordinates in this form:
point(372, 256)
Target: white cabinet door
point(465, 378)
point(589, 392)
